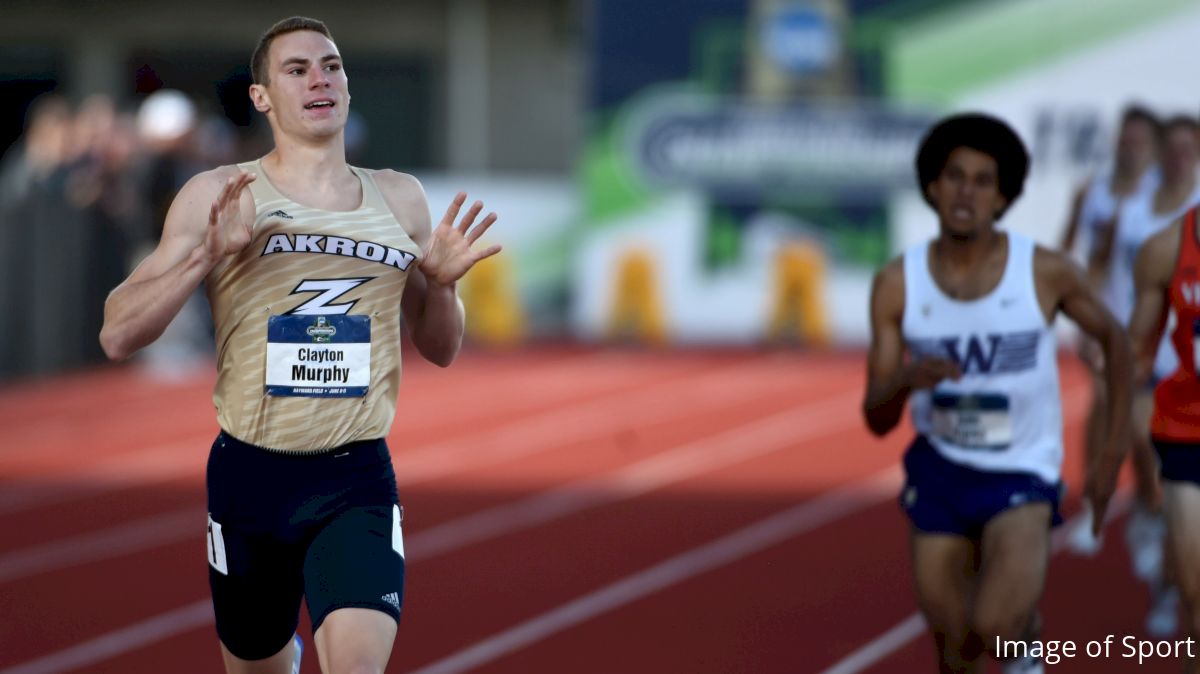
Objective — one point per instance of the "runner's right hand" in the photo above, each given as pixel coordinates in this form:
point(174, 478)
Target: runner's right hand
point(927, 372)
point(228, 233)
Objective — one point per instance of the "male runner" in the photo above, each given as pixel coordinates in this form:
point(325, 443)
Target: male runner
point(309, 264)
point(974, 310)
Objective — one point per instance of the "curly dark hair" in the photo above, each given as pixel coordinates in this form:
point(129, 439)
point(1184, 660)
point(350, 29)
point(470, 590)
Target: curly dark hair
point(980, 132)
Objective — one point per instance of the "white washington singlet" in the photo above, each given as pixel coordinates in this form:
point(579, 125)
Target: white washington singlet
point(1099, 206)
point(1004, 413)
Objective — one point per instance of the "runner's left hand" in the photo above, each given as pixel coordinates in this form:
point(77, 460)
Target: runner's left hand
point(1098, 488)
point(449, 255)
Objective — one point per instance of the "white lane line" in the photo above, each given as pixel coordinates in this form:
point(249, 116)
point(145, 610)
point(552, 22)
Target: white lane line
point(139, 535)
point(120, 641)
point(131, 469)
point(143, 534)
point(874, 651)
point(587, 421)
point(762, 436)
point(436, 546)
point(775, 432)
point(759, 437)
point(692, 563)
point(881, 646)
point(673, 465)
point(913, 626)
point(741, 543)
point(576, 422)
point(152, 387)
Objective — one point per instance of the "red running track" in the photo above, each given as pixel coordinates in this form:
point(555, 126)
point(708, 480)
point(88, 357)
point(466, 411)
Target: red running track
point(567, 510)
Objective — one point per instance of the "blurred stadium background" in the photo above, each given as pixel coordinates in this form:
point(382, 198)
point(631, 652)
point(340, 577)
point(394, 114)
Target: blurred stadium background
point(690, 171)
point(675, 173)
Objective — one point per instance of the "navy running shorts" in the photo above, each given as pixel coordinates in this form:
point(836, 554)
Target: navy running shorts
point(322, 526)
point(944, 497)
point(1178, 461)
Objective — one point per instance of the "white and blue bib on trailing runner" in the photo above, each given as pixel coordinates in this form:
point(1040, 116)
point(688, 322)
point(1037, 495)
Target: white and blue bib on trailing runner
point(1004, 414)
point(324, 356)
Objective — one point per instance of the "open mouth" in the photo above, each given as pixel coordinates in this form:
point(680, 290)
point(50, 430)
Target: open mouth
point(318, 105)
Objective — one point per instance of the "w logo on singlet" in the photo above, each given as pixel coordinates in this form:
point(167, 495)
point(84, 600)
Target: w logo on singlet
point(984, 354)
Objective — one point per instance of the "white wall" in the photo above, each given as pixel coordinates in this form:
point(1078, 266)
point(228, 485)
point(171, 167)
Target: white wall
point(1155, 65)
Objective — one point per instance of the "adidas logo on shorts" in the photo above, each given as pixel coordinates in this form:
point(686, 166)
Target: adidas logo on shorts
point(279, 214)
point(393, 599)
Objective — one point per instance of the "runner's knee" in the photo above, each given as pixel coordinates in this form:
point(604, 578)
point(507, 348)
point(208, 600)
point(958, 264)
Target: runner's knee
point(1001, 624)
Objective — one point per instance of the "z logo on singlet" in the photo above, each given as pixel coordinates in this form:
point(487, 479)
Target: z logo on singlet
point(330, 290)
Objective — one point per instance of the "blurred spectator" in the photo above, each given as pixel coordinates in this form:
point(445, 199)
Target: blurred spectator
point(178, 147)
point(83, 195)
point(104, 189)
point(215, 143)
point(39, 241)
point(166, 121)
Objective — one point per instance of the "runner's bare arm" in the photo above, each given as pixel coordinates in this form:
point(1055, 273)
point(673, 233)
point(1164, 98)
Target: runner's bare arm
point(889, 379)
point(1151, 278)
point(1077, 300)
point(432, 310)
point(210, 218)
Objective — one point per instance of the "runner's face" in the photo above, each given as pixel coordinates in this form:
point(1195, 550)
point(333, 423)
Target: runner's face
point(967, 193)
point(1137, 144)
point(1179, 153)
point(307, 87)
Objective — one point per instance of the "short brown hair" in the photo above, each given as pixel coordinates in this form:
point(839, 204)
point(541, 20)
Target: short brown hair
point(258, 61)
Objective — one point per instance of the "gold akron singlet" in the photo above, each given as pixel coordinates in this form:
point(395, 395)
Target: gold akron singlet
point(308, 322)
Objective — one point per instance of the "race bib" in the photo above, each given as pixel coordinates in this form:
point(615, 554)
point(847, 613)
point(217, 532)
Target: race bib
point(327, 356)
point(972, 421)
